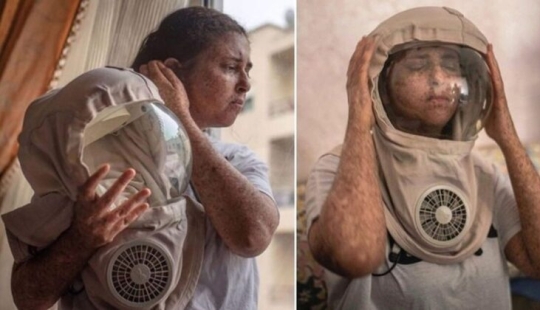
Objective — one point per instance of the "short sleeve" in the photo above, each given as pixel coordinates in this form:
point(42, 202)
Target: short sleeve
point(247, 163)
point(506, 215)
point(318, 185)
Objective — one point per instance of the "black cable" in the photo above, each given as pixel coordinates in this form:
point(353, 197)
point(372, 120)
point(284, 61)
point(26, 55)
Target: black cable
point(391, 268)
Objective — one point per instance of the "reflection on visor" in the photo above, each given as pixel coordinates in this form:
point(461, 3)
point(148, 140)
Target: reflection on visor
point(461, 88)
point(145, 136)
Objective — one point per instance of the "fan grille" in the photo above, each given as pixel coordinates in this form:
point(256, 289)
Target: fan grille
point(442, 215)
point(140, 274)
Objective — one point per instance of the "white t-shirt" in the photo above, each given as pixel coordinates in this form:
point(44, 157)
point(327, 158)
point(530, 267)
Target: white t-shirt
point(228, 281)
point(479, 282)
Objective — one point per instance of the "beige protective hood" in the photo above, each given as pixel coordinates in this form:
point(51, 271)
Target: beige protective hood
point(436, 207)
point(52, 147)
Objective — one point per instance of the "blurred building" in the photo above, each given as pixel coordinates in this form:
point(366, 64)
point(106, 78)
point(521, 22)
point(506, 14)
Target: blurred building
point(266, 125)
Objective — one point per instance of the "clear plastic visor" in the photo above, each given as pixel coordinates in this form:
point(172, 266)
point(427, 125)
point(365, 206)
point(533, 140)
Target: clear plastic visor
point(436, 90)
point(147, 137)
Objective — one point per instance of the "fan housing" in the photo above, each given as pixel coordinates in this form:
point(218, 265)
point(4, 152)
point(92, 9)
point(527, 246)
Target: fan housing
point(140, 273)
point(442, 215)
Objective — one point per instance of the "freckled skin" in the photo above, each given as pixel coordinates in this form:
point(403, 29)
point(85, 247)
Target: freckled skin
point(219, 77)
point(422, 90)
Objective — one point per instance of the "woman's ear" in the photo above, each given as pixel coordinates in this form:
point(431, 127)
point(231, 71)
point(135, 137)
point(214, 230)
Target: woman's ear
point(172, 63)
point(175, 66)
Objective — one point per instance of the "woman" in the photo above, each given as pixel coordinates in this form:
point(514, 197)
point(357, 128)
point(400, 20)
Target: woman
point(403, 215)
point(206, 86)
point(199, 60)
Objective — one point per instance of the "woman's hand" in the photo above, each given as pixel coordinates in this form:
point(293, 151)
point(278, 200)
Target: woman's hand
point(170, 87)
point(358, 90)
point(40, 281)
point(499, 125)
point(95, 223)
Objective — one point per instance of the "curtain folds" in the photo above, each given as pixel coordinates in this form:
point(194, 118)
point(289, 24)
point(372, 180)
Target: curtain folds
point(33, 35)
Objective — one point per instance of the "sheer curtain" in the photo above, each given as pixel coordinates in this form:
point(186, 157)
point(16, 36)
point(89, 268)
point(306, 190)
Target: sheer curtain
point(111, 33)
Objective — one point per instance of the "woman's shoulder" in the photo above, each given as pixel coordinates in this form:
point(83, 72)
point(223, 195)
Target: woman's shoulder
point(236, 153)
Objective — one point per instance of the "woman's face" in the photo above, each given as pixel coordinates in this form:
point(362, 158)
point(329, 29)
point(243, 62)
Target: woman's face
point(219, 80)
point(424, 88)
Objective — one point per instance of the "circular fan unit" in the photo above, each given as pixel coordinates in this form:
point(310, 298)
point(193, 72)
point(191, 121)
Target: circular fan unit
point(139, 274)
point(442, 216)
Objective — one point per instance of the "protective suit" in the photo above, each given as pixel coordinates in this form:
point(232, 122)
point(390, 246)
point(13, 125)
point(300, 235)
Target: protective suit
point(116, 116)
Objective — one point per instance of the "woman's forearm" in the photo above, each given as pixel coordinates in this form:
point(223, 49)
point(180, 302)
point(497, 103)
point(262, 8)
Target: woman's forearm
point(349, 237)
point(526, 185)
point(39, 282)
point(244, 217)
